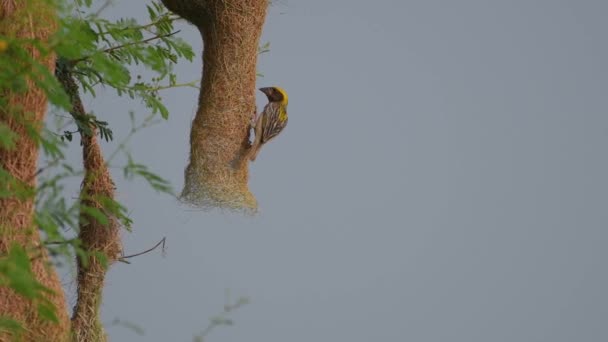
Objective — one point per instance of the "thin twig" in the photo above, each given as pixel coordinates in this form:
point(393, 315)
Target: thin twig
point(102, 8)
point(167, 17)
point(64, 242)
point(113, 48)
point(192, 84)
point(161, 242)
point(148, 121)
point(44, 168)
point(221, 318)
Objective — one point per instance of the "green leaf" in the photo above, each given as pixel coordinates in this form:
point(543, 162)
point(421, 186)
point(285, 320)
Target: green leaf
point(155, 181)
point(151, 12)
point(95, 213)
point(7, 137)
point(16, 273)
point(101, 257)
point(46, 310)
point(11, 326)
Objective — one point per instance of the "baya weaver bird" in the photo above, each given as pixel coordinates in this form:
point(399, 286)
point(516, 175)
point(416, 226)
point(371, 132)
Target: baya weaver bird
point(272, 120)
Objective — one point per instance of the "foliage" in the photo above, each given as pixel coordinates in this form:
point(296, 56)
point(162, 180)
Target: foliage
point(98, 53)
point(17, 274)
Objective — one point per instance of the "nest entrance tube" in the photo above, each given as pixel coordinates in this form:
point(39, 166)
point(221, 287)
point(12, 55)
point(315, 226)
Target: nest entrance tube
point(217, 174)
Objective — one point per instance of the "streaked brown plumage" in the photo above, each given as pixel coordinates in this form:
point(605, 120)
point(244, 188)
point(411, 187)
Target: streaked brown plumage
point(272, 120)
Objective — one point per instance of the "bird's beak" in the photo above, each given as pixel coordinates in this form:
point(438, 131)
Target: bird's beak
point(265, 90)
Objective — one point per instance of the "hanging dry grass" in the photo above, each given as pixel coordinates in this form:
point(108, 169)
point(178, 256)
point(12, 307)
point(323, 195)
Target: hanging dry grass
point(101, 240)
point(97, 238)
point(216, 175)
point(33, 19)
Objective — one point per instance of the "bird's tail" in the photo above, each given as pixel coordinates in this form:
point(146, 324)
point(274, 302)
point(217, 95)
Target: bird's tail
point(255, 149)
point(257, 142)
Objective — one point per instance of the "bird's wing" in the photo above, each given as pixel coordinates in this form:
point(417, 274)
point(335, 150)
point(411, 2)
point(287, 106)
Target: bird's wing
point(272, 124)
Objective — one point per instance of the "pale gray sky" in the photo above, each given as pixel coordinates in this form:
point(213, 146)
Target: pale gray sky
point(442, 178)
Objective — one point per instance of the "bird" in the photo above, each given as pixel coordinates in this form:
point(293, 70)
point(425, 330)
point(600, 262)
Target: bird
point(272, 120)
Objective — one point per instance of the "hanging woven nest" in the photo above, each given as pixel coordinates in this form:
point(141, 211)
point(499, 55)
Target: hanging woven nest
point(217, 174)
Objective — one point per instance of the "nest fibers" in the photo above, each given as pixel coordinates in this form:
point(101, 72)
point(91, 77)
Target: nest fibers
point(217, 174)
point(23, 113)
point(97, 238)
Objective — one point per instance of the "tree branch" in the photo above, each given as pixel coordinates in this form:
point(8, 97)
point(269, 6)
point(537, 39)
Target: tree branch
point(114, 48)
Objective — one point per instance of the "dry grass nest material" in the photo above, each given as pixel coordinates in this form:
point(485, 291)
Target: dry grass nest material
point(217, 175)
